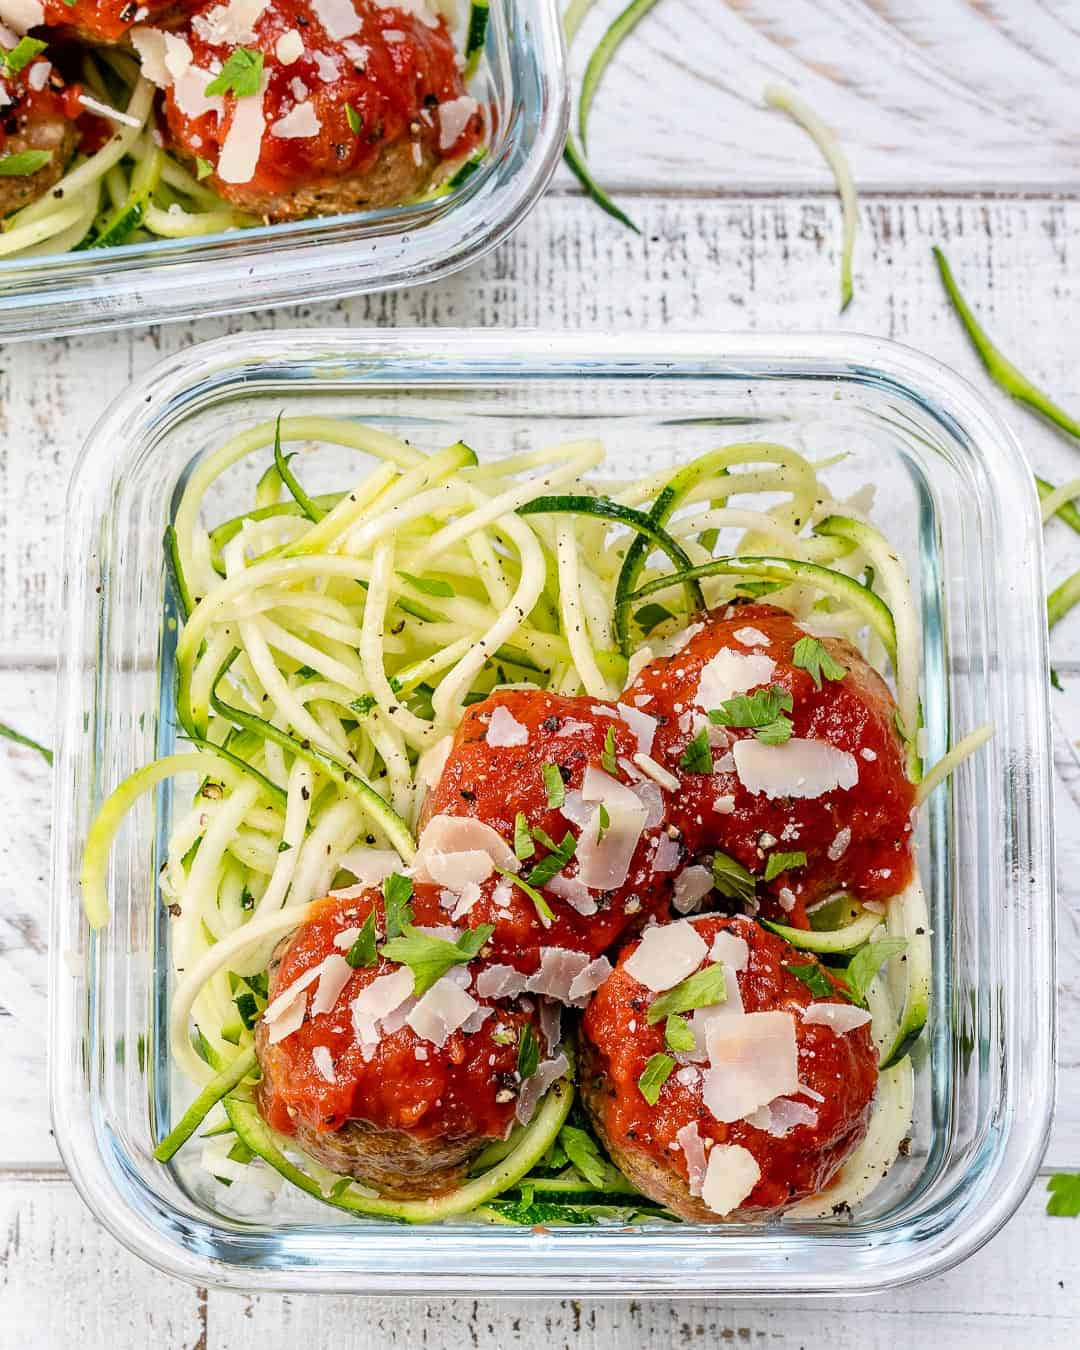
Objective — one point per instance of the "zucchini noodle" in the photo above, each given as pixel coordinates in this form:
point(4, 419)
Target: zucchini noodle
point(330, 642)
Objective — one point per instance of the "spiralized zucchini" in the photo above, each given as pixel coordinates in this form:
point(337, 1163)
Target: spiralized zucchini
point(330, 642)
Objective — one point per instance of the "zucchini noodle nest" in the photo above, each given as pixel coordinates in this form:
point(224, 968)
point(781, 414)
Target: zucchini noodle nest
point(329, 642)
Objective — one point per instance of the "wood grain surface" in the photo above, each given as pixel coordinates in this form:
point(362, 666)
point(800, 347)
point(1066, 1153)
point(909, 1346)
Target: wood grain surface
point(935, 100)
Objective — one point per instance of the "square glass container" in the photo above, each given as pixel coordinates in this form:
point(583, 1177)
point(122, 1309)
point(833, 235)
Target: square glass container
point(523, 83)
point(956, 498)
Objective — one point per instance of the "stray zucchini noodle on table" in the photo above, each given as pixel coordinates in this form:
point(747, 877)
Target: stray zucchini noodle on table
point(184, 118)
point(550, 859)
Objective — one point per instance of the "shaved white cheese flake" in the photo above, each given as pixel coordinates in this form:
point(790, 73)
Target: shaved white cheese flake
point(338, 17)
point(458, 835)
point(324, 1063)
point(289, 1020)
point(671, 645)
point(382, 996)
point(730, 950)
point(559, 968)
point(868, 754)
point(810, 1092)
point(641, 724)
point(289, 47)
point(839, 1017)
point(439, 1013)
point(346, 938)
point(731, 1175)
point(668, 854)
point(752, 1060)
point(37, 77)
point(419, 9)
point(503, 894)
point(692, 885)
point(839, 845)
point(656, 772)
point(637, 663)
point(604, 859)
point(648, 794)
point(750, 637)
point(550, 1071)
point(590, 979)
point(470, 893)
point(299, 123)
point(243, 141)
point(799, 768)
point(505, 730)
point(576, 894)
point(429, 767)
point(370, 867)
point(333, 979)
point(787, 899)
point(576, 810)
point(230, 23)
point(282, 1003)
point(782, 1116)
point(693, 1146)
point(357, 53)
point(189, 93)
point(573, 727)
point(458, 870)
point(394, 35)
point(551, 1024)
point(500, 982)
point(476, 1020)
point(328, 66)
point(724, 805)
point(20, 15)
point(730, 673)
point(666, 955)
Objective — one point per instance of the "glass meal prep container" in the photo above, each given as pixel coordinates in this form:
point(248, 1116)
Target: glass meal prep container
point(953, 492)
point(522, 81)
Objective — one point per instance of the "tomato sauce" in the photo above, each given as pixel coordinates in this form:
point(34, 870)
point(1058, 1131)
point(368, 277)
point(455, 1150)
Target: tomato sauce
point(857, 840)
point(110, 20)
point(380, 86)
point(842, 1068)
point(452, 1091)
point(26, 104)
point(495, 783)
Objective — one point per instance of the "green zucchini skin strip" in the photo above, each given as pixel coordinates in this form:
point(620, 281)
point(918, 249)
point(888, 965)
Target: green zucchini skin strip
point(1062, 599)
point(307, 505)
point(392, 824)
point(602, 56)
point(605, 509)
point(229, 529)
point(873, 609)
point(220, 1086)
point(834, 941)
point(575, 161)
point(1000, 369)
point(908, 918)
point(276, 794)
point(176, 571)
point(535, 1140)
point(1067, 511)
point(16, 737)
point(95, 859)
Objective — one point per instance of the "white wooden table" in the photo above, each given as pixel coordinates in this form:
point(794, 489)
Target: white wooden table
point(959, 120)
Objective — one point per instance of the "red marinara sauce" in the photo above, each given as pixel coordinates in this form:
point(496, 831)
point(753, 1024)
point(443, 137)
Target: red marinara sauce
point(857, 839)
point(369, 107)
point(617, 1043)
point(494, 783)
point(450, 1092)
point(110, 20)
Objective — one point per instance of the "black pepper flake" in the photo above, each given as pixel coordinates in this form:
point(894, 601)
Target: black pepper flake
point(551, 724)
point(342, 151)
point(904, 1147)
point(398, 628)
point(174, 910)
point(467, 796)
point(431, 101)
point(305, 792)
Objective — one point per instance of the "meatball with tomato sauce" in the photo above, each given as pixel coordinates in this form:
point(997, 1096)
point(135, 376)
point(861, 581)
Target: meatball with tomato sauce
point(766, 1104)
point(554, 778)
point(39, 132)
point(798, 774)
point(399, 1091)
point(308, 108)
point(110, 21)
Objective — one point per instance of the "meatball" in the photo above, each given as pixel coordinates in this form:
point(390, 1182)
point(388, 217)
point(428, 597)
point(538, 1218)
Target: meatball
point(398, 1092)
point(835, 795)
point(347, 113)
point(616, 875)
point(38, 114)
point(110, 21)
point(769, 1103)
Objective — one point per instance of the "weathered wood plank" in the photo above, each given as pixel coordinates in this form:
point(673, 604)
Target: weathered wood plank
point(112, 1298)
point(925, 95)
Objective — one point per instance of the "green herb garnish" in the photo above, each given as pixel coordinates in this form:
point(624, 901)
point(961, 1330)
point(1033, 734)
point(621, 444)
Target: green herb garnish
point(397, 892)
point(284, 846)
point(203, 168)
point(362, 953)
point(1064, 1191)
point(650, 616)
point(429, 958)
point(355, 119)
point(697, 757)
point(528, 1060)
point(503, 1035)
point(815, 980)
point(10, 734)
point(782, 862)
point(762, 711)
point(554, 786)
point(678, 1034)
point(866, 963)
point(363, 705)
point(607, 755)
point(700, 990)
point(24, 163)
point(240, 75)
point(603, 822)
point(581, 1149)
point(557, 857)
point(547, 916)
point(657, 1072)
point(523, 844)
point(813, 656)
point(429, 585)
point(732, 879)
point(22, 54)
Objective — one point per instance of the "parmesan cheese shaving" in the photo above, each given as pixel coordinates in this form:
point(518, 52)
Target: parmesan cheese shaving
point(299, 123)
point(731, 1175)
point(666, 954)
point(730, 673)
point(799, 768)
point(752, 1060)
point(444, 1008)
point(838, 1017)
point(505, 730)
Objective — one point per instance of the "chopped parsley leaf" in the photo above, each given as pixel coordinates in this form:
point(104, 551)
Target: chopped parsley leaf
point(363, 705)
point(697, 757)
point(355, 119)
point(523, 844)
point(203, 168)
point(397, 892)
point(22, 54)
point(554, 786)
point(581, 1149)
point(815, 979)
point(700, 990)
point(607, 755)
point(813, 656)
point(762, 711)
point(657, 1072)
point(866, 963)
point(240, 75)
point(547, 916)
point(603, 823)
point(429, 958)
point(362, 953)
point(24, 163)
point(678, 1034)
point(732, 879)
point(782, 862)
point(1064, 1192)
point(558, 856)
point(528, 1060)
point(649, 616)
